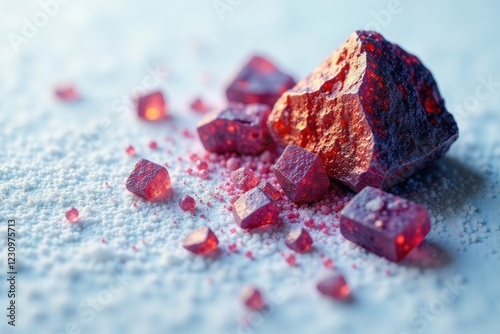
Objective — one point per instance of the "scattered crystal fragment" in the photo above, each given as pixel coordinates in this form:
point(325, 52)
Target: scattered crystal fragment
point(254, 209)
point(260, 81)
point(72, 215)
point(130, 150)
point(299, 240)
point(372, 112)
point(152, 107)
point(252, 298)
point(384, 224)
point(237, 128)
point(201, 241)
point(187, 203)
point(149, 180)
point(199, 106)
point(269, 190)
point(334, 286)
point(67, 93)
point(301, 175)
point(245, 179)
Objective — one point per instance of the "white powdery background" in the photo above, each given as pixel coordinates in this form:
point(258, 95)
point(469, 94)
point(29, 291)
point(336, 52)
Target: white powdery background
point(140, 280)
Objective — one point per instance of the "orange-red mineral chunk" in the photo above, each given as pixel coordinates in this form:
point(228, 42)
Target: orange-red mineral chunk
point(149, 180)
point(255, 209)
point(152, 107)
point(201, 241)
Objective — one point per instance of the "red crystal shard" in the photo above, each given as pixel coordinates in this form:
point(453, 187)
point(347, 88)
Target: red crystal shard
point(152, 107)
point(334, 286)
point(301, 175)
point(72, 215)
point(187, 203)
point(237, 128)
point(254, 209)
point(371, 111)
point(270, 191)
point(260, 81)
point(252, 298)
point(149, 180)
point(201, 241)
point(245, 179)
point(384, 224)
point(299, 240)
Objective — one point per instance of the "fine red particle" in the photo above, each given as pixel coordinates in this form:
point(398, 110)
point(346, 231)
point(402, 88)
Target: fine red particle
point(151, 107)
point(203, 174)
point(153, 145)
point(384, 224)
point(236, 129)
point(187, 203)
point(252, 298)
point(130, 150)
point(269, 190)
point(301, 175)
point(328, 263)
point(201, 241)
point(372, 112)
point(309, 222)
point(299, 240)
point(67, 93)
point(259, 81)
point(72, 215)
point(199, 106)
point(291, 260)
point(233, 248)
point(249, 254)
point(201, 165)
point(254, 209)
point(334, 286)
point(149, 181)
point(245, 179)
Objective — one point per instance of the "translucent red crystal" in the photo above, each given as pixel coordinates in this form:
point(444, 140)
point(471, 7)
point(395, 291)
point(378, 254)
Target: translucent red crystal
point(201, 241)
point(152, 107)
point(72, 215)
point(187, 203)
point(259, 81)
point(255, 209)
point(149, 180)
point(237, 128)
point(371, 111)
point(384, 224)
point(269, 190)
point(245, 179)
point(252, 298)
point(301, 175)
point(299, 240)
point(334, 286)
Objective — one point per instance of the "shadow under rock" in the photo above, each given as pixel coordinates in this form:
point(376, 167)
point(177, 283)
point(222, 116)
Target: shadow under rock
point(427, 255)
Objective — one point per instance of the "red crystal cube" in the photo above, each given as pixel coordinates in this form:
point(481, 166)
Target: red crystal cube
point(254, 209)
point(252, 298)
point(152, 107)
point(384, 224)
point(245, 179)
point(299, 240)
point(334, 286)
point(149, 181)
point(201, 241)
point(301, 175)
point(237, 128)
point(270, 191)
point(371, 111)
point(260, 81)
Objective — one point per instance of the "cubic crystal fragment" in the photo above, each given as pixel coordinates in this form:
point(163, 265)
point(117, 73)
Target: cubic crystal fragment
point(245, 179)
point(254, 209)
point(237, 128)
point(260, 81)
point(270, 191)
point(201, 241)
point(384, 224)
point(334, 286)
point(149, 181)
point(301, 175)
point(371, 111)
point(152, 107)
point(299, 240)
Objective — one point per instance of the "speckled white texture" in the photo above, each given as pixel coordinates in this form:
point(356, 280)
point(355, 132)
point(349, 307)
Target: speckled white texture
point(54, 156)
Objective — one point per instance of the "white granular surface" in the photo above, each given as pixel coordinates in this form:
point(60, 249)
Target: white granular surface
point(140, 280)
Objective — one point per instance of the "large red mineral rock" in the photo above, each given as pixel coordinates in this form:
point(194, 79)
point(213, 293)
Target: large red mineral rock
point(371, 111)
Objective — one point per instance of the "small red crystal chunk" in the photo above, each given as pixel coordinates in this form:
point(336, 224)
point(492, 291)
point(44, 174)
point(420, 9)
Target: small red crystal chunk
point(130, 150)
point(67, 93)
point(237, 128)
point(334, 286)
point(72, 215)
point(299, 240)
point(384, 224)
point(371, 111)
point(245, 179)
point(199, 106)
point(201, 241)
point(269, 190)
point(152, 107)
point(255, 209)
point(187, 203)
point(260, 81)
point(301, 175)
point(252, 298)
point(149, 181)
